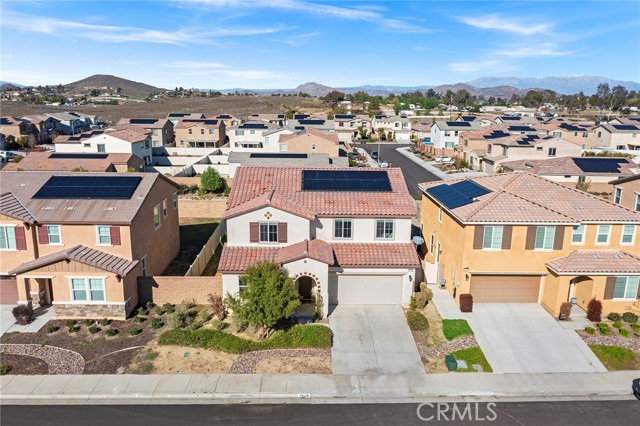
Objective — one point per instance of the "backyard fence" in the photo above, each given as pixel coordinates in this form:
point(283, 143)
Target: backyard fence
point(205, 255)
point(161, 290)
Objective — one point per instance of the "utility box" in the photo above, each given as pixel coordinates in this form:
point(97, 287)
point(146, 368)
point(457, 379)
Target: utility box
point(450, 361)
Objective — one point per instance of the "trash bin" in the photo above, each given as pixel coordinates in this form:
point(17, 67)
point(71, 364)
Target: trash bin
point(450, 361)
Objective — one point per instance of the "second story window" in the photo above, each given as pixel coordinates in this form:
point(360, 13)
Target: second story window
point(101, 147)
point(156, 216)
point(283, 147)
point(628, 234)
point(268, 232)
point(175, 200)
point(202, 131)
point(239, 132)
point(617, 195)
point(384, 229)
point(104, 235)
point(8, 238)
point(577, 237)
point(165, 210)
point(212, 131)
point(54, 234)
point(544, 237)
point(638, 202)
point(552, 152)
point(342, 228)
point(440, 215)
point(190, 131)
point(492, 238)
point(602, 236)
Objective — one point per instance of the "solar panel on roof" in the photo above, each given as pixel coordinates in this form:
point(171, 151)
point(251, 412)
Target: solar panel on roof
point(625, 127)
point(224, 116)
point(346, 180)
point(211, 122)
point(470, 188)
point(300, 116)
point(469, 118)
point(506, 118)
point(458, 124)
point(276, 155)
point(299, 128)
point(89, 187)
point(600, 165)
point(142, 120)
point(344, 116)
point(4, 121)
point(253, 126)
point(311, 122)
point(459, 194)
point(80, 156)
point(521, 129)
point(523, 141)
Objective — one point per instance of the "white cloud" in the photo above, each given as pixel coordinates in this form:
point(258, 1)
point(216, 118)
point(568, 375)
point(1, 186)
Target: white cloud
point(544, 49)
point(475, 66)
point(195, 65)
point(500, 23)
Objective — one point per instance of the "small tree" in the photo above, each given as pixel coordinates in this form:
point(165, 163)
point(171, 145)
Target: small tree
point(268, 297)
point(210, 181)
point(594, 310)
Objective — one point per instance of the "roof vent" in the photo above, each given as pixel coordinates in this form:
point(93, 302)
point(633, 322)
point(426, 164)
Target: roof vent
point(523, 208)
point(47, 208)
point(597, 256)
point(22, 184)
point(70, 208)
point(110, 208)
point(617, 256)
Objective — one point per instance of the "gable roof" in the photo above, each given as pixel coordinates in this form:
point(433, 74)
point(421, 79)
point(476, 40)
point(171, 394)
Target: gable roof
point(569, 166)
point(596, 262)
point(522, 197)
point(82, 254)
point(12, 207)
point(625, 179)
point(270, 198)
point(44, 161)
point(308, 131)
point(254, 182)
point(315, 249)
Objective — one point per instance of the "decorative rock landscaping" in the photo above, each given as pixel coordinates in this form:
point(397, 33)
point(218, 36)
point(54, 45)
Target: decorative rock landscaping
point(59, 360)
point(247, 362)
point(630, 343)
point(439, 351)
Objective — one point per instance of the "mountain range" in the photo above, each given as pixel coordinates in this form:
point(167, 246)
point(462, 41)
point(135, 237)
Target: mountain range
point(567, 84)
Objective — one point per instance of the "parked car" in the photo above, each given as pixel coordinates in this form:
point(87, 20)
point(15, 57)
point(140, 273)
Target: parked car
point(444, 159)
point(383, 164)
point(374, 155)
point(6, 156)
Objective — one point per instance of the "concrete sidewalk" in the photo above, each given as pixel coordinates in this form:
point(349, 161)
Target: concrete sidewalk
point(436, 171)
point(304, 388)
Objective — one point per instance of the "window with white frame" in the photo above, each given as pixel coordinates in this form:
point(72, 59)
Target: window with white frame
point(165, 210)
point(242, 284)
point(104, 235)
point(87, 289)
point(440, 215)
point(268, 232)
point(544, 237)
point(54, 234)
point(156, 216)
point(492, 238)
point(602, 236)
point(143, 265)
point(8, 238)
point(626, 288)
point(432, 244)
point(101, 147)
point(384, 229)
point(617, 195)
point(342, 228)
point(212, 131)
point(283, 147)
point(628, 234)
point(175, 200)
point(239, 132)
point(577, 237)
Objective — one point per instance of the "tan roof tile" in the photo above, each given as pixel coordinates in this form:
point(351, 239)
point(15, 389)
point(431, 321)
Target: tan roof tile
point(315, 249)
point(376, 255)
point(596, 262)
point(12, 207)
point(42, 161)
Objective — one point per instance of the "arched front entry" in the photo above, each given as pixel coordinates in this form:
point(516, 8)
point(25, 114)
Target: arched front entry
point(582, 289)
point(305, 286)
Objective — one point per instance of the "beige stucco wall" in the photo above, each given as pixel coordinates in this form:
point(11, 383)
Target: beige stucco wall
point(160, 290)
point(630, 192)
point(182, 136)
point(303, 144)
point(298, 228)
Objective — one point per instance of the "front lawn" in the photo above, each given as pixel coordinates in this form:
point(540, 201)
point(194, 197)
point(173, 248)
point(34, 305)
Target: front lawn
point(472, 356)
point(616, 358)
point(298, 336)
point(453, 328)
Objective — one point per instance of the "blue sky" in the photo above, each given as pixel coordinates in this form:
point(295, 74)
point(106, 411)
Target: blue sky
point(283, 43)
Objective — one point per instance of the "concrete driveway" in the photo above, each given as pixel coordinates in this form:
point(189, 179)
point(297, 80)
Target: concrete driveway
point(6, 318)
point(373, 339)
point(524, 338)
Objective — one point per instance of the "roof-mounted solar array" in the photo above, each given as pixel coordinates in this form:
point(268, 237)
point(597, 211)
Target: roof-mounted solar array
point(508, 117)
point(277, 155)
point(458, 124)
point(346, 181)
point(253, 126)
point(89, 187)
point(301, 116)
point(143, 120)
point(79, 156)
point(625, 127)
point(311, 122)
point(600, 165)
point(344, 116)
point(469, 118)
point(457, 195)
point(521, 129)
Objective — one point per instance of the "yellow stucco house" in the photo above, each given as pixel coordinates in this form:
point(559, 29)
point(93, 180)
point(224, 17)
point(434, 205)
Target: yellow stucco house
point(520, 238)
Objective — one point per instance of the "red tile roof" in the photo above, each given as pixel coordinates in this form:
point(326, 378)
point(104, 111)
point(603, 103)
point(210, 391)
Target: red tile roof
point(315, 249)
point(41, 161)
point(252, 182)
point(596, 262)
point(376, 255)
point(236, 259)
point(310, 131)
point(270, 198)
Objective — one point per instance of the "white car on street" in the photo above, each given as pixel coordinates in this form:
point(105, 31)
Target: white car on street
point(444, 159)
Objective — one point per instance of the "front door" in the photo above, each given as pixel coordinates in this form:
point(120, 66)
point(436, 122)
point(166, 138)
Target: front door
point(305, 287)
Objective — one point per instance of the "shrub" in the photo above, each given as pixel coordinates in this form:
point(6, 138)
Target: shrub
point(88, 322)
point(466, 302)
point(94, 329)
point(239, 325)
point(636, 327)
point(630, 317)
point(202, 317)
point(189, 303)
point(210, 181)
point(217, 306)
point(604, 329)
point(143, 311)
point(105, 322)
point(134, 331)
point(156, 323)
point(617, 325)
point(73, 328)
point(149, 305)
point(4, 369)
point(218, 325)
point(624, 333)
point(177, 319)
point(70, 323)
point(159, 310)
point(52, 329)
point(22, 314)
point(417, 321)
point(428, 293)
point(565, 311)
point(614, 317)
point(421, 300)
point(111, 332)
point(590, 330)
point(169, 308)
point(150, 355)
point(139, 319)
point(413, 303)
point(594, 310)
point(453, 328)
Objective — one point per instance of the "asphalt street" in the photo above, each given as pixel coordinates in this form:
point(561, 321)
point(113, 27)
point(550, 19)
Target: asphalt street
point(413, 173)
point(570, 413)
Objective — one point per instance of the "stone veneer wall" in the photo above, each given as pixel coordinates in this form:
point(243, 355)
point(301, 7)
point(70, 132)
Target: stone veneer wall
point(73, 311)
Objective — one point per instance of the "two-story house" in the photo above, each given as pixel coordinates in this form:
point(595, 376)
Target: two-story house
point(310, 141)
point(626, 191)
point(445, 135)
point(161, 129)
point(579, 134)
point(112, 141)
point(620, 137)
point(200, 133)
point(79, 241)
point(520, 238)
point(249, 134)
point(399, 126)
point(343, 235)
point(175, 117)
point(73, 162)
point(351, 127)
point(70, 123)
point(46, 127)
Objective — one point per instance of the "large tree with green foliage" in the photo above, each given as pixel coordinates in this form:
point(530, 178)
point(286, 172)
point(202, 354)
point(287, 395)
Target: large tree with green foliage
point(268, 297)
point(210, 181)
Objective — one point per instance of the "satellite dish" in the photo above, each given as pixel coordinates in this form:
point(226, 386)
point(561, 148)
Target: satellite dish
point(417, 240)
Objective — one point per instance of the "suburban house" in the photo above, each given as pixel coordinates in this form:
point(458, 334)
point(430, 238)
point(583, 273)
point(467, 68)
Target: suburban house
point(228, 119)
point(341, 234)
point(445, 135)
point(175, 117)
point(272, 137)
point(593, 172)
point(520, 238)
point(282, 159)
point(161, 129)
point(45, 127)
point(626, 192)
point(79, 241)
point(74, 162)
point(249, 134)
point(348, 126)
point(311, 123)
point(399, 126)
point(310, 141)
point(111, 141)
point(620, 137)
point(276, 119)
point(516, 119)
point(13, 128)
point(200, 133)
point(575, 133)
point(70, 123)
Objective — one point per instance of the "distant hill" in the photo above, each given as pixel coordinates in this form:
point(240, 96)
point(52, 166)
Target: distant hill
point(313, 89)
point(504, 92)
point(568, 84)
point(132, 89)
point(7, 85)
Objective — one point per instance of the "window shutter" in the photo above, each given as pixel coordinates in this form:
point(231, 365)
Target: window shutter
point(114, 233)
point(507, 230)
point(43, 236)
point(282, 232)
point(254, 232)
point(478, 236)
point(21, 241)
point(608, 289)
point(557, 241)
point(531, 238)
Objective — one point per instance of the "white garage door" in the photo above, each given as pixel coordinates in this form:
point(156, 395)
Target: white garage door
point(365, 289)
